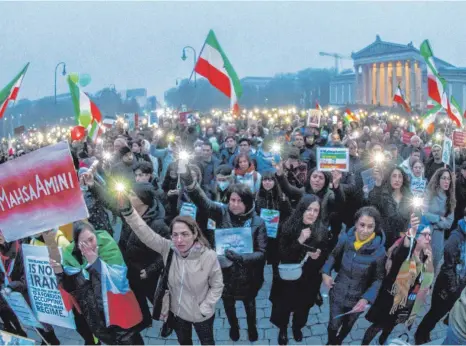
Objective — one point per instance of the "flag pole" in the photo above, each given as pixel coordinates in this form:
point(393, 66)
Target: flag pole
point(197, 59)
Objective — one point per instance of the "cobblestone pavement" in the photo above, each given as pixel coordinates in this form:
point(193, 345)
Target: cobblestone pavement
point(315, 332)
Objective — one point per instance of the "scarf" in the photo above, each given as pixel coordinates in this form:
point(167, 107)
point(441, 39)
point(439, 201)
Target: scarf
point(406, 278)
point(242, 172)
point(359, 243)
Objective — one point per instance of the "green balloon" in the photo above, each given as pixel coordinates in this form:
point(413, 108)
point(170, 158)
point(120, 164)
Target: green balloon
point(85, 119)
point(84, 79)
point(74, 77)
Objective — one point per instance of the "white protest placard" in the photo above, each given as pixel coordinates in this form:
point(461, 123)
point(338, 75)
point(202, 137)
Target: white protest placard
point(446, 153)
point(21, 309)
point(272, 219)
point(418, 186)
point(188, 209)
point(39, 191)
point(313, 117)
point(331, 159)
point(46, 299)
point(7, 339)
point(235, 239)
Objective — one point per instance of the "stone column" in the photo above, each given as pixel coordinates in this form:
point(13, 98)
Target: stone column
point(356, 83)
point(371, 81)
point(387, 94)
point(377, 83)
point(464, 97)
point(364, 84)
point(394, 80)
point(412, 83)
point(403, 77)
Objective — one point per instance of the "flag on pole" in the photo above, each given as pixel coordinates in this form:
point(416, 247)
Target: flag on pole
point(454, 112)
point(349, 116)
point(435, 83)
point(83, 105)
point(398, 98)
point(318, 107)
point(11, 150)
point(214, 65)
point(11, 90)
point(428, 119)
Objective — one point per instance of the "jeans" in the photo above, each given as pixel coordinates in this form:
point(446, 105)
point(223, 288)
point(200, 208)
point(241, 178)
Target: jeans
point(336, 336)
point(184, 330)
point(453, 339)
point(249, 306)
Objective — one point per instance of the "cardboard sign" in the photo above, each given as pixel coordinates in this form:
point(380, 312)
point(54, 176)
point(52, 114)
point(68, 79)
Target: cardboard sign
point(236, 239)
point(39, 191)
point(446, 153)
point(11, 339)
point(46, 299)
point(330, 159)
point(271, 218)
point(313, 117)
point(21, 309)
point(407, 137)
point(188, 209)
point(459, 139)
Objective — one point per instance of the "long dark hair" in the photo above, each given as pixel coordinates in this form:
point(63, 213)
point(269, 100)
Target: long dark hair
point(275, 194)
point(308, 187)
point(244, 192)
point(434, 186)
point(193, 227)
point(78, 228)
point(295, 221)
point(405, 188)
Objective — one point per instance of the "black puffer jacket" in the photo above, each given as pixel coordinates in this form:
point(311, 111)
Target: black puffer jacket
point(460, 190)
point(98, 217)
point(241, 280)
point(361, 272)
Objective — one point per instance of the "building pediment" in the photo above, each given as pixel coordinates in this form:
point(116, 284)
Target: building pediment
point(379, 47)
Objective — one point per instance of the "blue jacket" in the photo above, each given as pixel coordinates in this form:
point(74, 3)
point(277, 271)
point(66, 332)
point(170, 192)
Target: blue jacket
point(361, 272)
point(167, 157)
point(228, 157)
point(264, 161)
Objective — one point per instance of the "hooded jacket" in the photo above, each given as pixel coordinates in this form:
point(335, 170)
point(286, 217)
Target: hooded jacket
point(361, 272)
point(241, 279)
point(195, 282)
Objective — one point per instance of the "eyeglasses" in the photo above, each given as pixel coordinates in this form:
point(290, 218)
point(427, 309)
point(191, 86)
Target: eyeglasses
point(445, 178)
point(426, 235)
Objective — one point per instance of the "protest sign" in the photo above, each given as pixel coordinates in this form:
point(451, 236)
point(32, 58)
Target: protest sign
point(330, 159)
point(459, 139)
point(21, 309)
point(313, 117)
point(38, 192)
point(236, 239)
point(7, 339)
point(368, 179)
point(406, 138)
point(46, 299)
point(447, 145)
point(271, 218)
point(188, 209)
point(418, 186)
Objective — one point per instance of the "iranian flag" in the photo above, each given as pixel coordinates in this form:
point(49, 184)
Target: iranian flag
point(318, 107)
point(349, 116)
point(83, 105)
point(435, 83)
point(454, 112)
point(428, 119)
point(398, 98)
point(10, 92)
point(214, 65)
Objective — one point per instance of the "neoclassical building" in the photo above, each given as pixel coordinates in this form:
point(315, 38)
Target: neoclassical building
point(380, 67)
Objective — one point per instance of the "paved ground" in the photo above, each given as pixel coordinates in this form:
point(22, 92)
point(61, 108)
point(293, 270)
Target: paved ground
point(315, 333)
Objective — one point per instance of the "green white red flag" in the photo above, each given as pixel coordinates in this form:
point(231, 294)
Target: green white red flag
point(454, 112)
point(11, 90)
point(214, 65)
point(435, 83)
point(398, 98)
point(84, 105)
point(318, 107)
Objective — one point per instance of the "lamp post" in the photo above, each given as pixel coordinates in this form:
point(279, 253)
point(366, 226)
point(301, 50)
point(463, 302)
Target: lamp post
point(63, 73)
point(184, 57)
point(178, 81)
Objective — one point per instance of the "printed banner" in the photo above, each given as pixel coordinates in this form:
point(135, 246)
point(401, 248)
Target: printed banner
point(236, 239)
point(418, 186)
point(46, 299)
point(330, 159)
point(447, 145)
point(271, 218)
point(459, 139)
point(406, 138)
point(368, 179)
point(21, 309)
point(7, 339)
point(188, 209)
point(313, 117)
point(39, 191)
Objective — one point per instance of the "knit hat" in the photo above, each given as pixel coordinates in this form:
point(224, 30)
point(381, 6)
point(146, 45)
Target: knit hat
point(293, 153)
point(124, 151)
point(223, 170)
point(145, 192)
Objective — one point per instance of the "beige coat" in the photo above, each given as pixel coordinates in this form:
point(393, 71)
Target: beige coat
point(195, 282)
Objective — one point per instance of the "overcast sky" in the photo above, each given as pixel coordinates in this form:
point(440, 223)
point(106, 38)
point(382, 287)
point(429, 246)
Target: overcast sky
point(139, 44)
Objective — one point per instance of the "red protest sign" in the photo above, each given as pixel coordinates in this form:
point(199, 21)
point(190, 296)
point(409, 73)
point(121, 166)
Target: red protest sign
point(39, 191)
point(459, 139)
point(407, 137)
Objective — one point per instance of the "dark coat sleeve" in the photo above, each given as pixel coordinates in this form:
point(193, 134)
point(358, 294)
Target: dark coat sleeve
point(204, 204)
point(378, 276)
point(290, 191)
point(451, 256)
point(260, 245)
point(335, 256)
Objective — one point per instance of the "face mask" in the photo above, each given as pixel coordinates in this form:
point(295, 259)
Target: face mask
point(223, 185)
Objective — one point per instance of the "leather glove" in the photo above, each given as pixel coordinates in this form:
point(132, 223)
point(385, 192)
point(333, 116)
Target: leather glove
point(233, 256)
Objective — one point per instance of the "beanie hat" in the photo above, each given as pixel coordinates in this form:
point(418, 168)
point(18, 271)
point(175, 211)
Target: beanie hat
point(145, 192)
point(124, 150)
point(223, 170)
point(293, 153)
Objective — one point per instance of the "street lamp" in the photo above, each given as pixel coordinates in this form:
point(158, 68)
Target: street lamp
point(63, 73)
point(184, 57)
point(178, 81)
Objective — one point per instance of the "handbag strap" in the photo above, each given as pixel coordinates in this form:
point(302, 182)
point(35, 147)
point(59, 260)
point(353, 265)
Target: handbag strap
point(169, 262)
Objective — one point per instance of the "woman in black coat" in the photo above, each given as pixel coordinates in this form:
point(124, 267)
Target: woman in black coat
point(243, 274)
point(392, 196)
point(302, 235)
point(271, 197)
point(360, 255)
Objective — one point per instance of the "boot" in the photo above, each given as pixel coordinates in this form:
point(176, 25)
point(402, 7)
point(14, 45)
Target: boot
point(166, 330)
point(252, 334)
point(297, 334)
point(283, 336)
point(234, 333)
